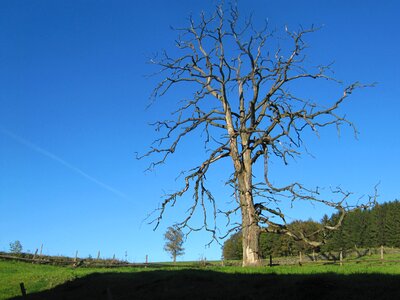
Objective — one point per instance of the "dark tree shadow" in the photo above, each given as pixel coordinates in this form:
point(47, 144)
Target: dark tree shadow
point(202, 284)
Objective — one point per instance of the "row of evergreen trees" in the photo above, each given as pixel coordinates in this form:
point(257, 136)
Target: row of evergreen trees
point(367, 228)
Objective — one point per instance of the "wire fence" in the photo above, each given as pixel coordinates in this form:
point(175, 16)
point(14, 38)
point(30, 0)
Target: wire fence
point(95, 262)
point(358, 256)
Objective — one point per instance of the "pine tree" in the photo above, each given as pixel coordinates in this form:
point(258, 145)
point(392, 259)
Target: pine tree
point(392, 225)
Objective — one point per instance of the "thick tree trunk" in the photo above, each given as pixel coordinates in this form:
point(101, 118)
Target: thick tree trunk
point(244, 173)
point(250, 227)
point(251, 249)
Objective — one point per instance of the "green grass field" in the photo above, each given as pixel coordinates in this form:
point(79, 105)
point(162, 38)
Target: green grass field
point(353, 280)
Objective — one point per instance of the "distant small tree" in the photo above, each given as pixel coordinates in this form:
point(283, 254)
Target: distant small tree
point(174, 242)
point(16, 247)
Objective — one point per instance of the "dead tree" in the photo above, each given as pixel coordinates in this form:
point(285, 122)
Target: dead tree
point(243, 103)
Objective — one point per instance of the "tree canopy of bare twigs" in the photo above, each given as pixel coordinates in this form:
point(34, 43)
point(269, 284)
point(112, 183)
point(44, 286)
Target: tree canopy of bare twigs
point(242, 100)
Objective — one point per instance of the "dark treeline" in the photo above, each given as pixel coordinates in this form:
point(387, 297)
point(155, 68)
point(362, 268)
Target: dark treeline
point(367, 228)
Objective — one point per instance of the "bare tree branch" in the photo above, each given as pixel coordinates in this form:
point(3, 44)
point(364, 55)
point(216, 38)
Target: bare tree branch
point(243, 104)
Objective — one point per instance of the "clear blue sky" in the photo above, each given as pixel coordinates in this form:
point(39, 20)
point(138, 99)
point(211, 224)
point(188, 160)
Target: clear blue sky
point(73, 94)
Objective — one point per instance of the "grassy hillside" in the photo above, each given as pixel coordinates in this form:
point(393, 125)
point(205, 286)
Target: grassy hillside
point(35, 277)
point(371, 281)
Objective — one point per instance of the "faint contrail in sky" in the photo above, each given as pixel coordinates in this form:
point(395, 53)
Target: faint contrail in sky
point(61, 161)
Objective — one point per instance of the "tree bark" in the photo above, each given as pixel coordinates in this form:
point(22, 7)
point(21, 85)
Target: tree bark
point(251, 249)
point(250, 227)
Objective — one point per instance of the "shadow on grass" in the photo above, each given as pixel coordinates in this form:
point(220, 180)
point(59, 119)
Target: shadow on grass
point(202, 284)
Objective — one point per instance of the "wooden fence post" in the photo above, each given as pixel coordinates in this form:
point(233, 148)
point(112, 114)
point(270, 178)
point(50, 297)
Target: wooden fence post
point(270, 260)
point(23, 290)
point(41, 249)
point(300, 258)
point(382, 253)
point(98, 255)
point(76, 256)
point(34, 256)
point(147, 259)
point(313, 255)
